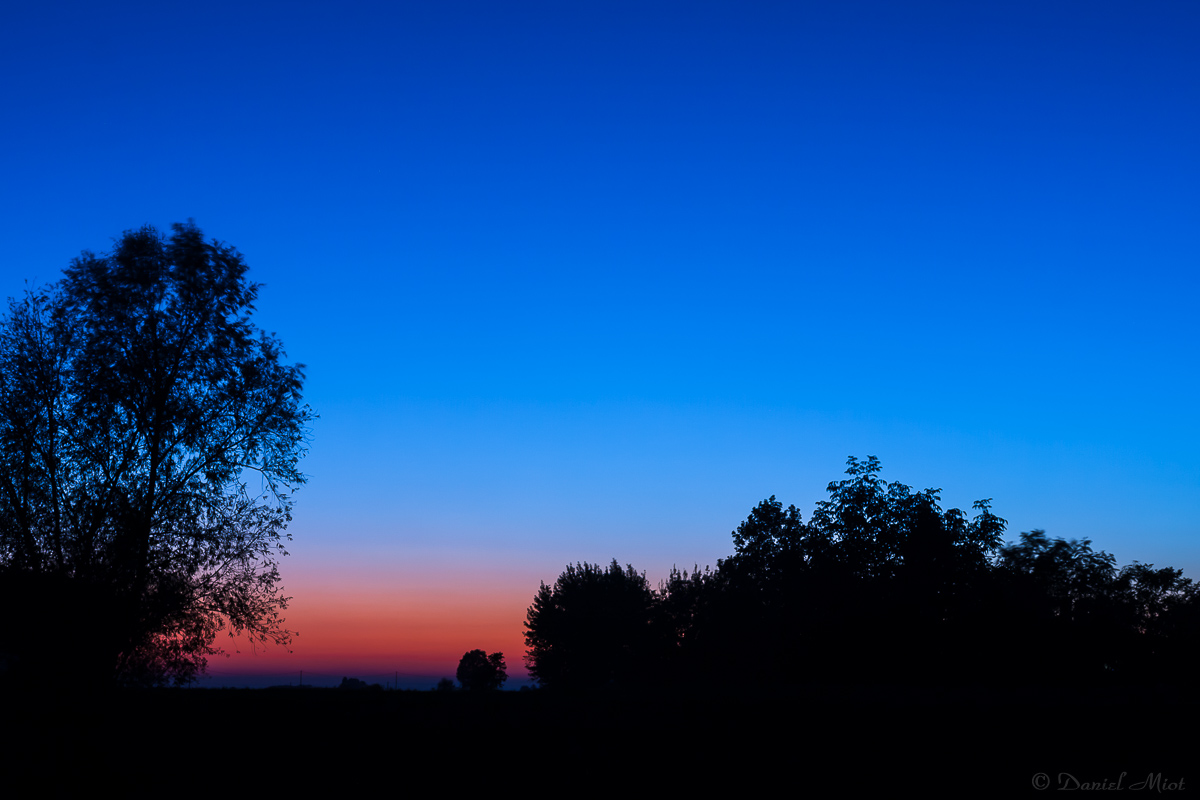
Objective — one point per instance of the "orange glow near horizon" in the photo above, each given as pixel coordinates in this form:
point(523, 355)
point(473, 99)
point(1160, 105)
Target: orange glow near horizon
point(367, 623)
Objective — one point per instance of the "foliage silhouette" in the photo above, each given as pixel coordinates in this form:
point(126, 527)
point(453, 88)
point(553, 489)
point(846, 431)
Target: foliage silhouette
point(595, 627)
point(478, 671)
point(871, 584)
point(149, 440)
point(1078, 613)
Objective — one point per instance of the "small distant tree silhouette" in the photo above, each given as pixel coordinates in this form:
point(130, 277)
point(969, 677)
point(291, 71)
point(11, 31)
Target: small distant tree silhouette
point(478, 671)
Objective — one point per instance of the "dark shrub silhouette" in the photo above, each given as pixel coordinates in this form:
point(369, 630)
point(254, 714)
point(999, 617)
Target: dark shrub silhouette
point(478, 671)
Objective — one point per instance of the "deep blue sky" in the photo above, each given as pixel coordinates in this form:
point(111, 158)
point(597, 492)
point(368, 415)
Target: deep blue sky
point(589, 280)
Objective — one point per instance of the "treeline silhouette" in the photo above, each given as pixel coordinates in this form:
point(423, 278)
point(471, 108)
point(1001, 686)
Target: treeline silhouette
point(880, 585)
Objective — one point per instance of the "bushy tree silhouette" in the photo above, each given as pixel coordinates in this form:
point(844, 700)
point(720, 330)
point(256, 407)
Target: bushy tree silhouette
point(1160, 621)
point(478, 671)
point(1072, 612)
point(149, 439)
point(878, 576)
point(593, 628)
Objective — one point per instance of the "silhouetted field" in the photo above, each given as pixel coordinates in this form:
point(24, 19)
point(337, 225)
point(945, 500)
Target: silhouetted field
point(942, 741)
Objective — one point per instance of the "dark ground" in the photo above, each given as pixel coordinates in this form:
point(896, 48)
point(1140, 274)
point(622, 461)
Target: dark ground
point(831, 740)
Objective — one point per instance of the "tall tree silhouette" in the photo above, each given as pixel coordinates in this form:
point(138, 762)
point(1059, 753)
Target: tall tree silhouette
point(149, 440)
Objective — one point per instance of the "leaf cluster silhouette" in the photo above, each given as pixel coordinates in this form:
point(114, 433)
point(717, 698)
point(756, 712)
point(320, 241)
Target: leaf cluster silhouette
point(881, 584)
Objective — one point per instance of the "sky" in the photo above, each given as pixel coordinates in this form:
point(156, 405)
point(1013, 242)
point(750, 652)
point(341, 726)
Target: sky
point(587, 281)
